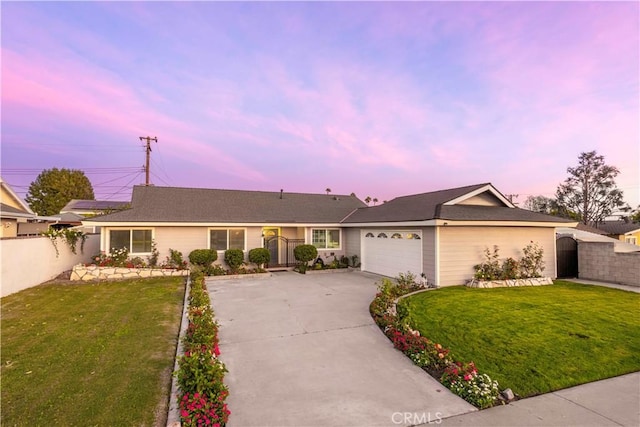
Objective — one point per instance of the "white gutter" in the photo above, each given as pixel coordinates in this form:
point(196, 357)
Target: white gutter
point(207, 224)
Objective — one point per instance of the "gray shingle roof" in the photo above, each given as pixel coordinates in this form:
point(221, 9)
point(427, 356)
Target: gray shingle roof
point(93, 205)
point(11, 209)
point(494, 213)
point(416, 207)
point(427, 206)
point(170, 204)
point(617, 227)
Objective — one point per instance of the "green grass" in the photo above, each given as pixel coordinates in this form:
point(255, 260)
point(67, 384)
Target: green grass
point(535, 339)
point(90, 354)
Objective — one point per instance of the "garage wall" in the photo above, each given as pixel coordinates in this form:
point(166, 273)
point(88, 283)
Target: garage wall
point(462, 247)
point(351, 244)
point(429, 253)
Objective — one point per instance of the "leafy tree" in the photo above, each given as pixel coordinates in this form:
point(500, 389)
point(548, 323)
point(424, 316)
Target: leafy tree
point(590, 189)
point(540, 204)
point(54, 188)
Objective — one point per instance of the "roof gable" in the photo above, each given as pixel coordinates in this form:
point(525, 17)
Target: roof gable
point(8, 197)
point(486, 195)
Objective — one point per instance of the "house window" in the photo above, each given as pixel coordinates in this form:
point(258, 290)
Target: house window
point(382, 236)
point(631, 239)
point(228, 238)
point(413, 236)
point(369, 235)
point(396, 236)
point(135, 241)
point(326, 239)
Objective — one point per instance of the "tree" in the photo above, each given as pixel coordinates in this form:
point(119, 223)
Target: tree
point(540, 204)
point(367, 199)
point(590, 190)
point(54, 188)
point(328, 190)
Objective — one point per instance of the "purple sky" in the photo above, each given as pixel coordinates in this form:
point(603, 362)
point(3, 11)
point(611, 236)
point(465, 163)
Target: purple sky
point(380, 99)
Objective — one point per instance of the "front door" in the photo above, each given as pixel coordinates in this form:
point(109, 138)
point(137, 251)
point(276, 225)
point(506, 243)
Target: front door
point(271, 242)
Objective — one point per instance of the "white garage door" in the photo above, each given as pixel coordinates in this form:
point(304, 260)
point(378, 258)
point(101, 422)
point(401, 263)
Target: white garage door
point(389, 252)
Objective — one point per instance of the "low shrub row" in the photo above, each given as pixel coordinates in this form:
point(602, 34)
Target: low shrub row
point(462, 379)
point(200, 374)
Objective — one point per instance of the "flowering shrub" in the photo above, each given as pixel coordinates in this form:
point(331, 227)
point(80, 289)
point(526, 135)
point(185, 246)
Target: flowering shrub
point(197, 410)
point(115, 258)
point(174, 260)
point(530, 265)
point(422, 351)
point(200, 373)
point(464, 381)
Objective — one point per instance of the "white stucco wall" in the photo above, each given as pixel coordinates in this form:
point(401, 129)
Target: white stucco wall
point(28, 262)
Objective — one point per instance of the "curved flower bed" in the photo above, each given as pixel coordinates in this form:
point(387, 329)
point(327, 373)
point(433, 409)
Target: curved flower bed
point(200, 373)
point(461, 378)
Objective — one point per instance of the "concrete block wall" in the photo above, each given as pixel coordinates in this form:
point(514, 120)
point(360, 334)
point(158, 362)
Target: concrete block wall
point(599, 261)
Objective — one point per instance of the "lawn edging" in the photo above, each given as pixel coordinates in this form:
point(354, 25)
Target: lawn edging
point(462, 378)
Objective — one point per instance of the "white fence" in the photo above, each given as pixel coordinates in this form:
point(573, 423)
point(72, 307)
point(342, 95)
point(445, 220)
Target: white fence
point(27, 262)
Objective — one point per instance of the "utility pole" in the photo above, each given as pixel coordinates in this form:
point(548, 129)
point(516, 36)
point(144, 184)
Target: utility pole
point(148, 149)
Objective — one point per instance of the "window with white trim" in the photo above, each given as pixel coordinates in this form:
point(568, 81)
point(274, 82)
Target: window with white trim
point(326, 238)
point(631, 239)
point(221, 239)
point(136, 241)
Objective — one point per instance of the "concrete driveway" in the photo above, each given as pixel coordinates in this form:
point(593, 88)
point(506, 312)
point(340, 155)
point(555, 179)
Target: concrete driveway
point(302, 350)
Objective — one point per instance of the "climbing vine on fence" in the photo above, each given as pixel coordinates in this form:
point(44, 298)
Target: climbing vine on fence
point(70, 237)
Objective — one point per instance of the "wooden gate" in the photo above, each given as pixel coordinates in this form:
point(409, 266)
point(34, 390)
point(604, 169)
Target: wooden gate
point(567, 257)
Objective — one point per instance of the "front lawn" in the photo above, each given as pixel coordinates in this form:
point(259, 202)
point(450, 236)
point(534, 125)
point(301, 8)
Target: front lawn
point(90, 354)
point(535, 339)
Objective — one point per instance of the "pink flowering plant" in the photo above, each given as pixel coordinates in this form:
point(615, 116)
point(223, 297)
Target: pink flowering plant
point(464, 380)
point(200, 374)
point(199, 410)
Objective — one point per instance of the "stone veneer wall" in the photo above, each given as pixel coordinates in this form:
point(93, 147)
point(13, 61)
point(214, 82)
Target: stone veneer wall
point(599, 261)
point(92, 272)
point(534, 281)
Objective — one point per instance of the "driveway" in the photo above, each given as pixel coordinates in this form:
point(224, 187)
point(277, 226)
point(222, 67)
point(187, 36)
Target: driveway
point(302, 350)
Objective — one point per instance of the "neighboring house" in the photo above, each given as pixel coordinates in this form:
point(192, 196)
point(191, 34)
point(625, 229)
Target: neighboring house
point(442, 234)
point(89, 208)
point(16, 217)
point(625, 231)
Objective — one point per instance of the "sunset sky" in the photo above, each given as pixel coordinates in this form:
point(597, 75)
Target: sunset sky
point(380, 99)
